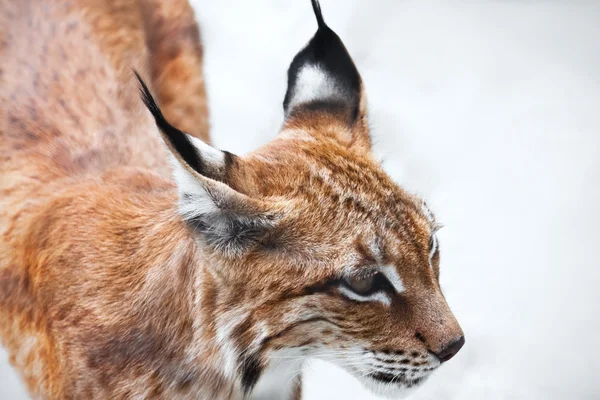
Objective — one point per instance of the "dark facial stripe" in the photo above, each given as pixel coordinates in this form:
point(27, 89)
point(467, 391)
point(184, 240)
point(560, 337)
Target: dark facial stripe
point(331, 288)
point(250, 371)
point(288, 328)
point(320, 287)
point(250, 365)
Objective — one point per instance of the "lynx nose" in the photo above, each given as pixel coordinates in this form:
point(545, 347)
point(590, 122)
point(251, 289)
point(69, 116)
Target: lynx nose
point(450, 350)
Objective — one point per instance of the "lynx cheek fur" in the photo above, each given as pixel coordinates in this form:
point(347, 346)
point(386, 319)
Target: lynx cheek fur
point(120, 281)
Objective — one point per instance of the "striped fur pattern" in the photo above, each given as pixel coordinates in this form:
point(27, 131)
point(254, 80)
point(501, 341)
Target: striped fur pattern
point(132, 269)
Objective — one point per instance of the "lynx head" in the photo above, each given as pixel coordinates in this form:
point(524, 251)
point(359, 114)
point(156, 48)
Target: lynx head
point(313, 250)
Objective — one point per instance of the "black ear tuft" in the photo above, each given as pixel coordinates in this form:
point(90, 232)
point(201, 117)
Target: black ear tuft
point(177, 140)
point(323, 75)
point(318, 14)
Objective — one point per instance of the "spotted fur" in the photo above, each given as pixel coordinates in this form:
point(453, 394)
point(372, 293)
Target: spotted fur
point(135, 267)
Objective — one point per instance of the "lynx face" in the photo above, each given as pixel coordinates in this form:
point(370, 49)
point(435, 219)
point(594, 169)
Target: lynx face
point(314, 250)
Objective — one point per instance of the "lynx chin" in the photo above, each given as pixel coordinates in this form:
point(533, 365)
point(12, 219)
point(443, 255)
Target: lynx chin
point(137, 261)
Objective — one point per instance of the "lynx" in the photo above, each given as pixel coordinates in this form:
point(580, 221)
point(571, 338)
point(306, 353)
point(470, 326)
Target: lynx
point(137, 261)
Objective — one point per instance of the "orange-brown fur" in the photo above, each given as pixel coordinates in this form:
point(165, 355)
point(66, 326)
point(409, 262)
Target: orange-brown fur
point(73, 134)
point(105, 292)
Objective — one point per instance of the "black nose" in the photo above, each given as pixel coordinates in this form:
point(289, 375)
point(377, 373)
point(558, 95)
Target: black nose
point(450, 350)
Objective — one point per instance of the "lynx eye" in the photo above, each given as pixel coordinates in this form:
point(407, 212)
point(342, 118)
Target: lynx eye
point(361, 284)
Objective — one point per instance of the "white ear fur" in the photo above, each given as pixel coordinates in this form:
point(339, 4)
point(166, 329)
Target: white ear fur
point(211, 155)
point(314, 83)
point(194, 199)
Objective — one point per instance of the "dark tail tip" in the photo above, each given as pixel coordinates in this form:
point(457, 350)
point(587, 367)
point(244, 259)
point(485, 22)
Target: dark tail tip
point(318, 14)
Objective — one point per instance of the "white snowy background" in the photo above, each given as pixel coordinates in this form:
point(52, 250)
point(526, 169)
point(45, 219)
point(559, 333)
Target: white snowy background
point(491, 111)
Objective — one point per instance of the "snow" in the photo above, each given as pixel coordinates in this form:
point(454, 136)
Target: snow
point(491, 111)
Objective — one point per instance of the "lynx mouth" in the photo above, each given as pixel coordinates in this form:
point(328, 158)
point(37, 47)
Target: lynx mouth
point(399, 379)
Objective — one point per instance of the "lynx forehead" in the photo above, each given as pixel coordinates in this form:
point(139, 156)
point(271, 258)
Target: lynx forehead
point(187, 271)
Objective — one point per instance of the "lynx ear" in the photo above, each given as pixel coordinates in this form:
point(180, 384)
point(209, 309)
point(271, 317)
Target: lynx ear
point(226, 218)
point(322, 79)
